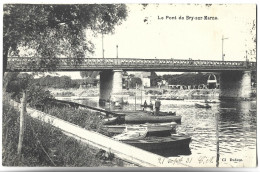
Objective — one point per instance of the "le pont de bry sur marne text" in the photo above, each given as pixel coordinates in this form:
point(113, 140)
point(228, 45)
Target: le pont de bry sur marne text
point(189, 18)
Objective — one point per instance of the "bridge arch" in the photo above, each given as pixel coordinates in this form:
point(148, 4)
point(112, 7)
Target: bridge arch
point(212, 82)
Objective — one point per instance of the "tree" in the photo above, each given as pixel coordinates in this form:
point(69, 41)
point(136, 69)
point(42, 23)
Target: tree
point(92, 74)
point(50, 31)
point(154, 79)
point(134, 81)
point(15, 83)
point(252, 49)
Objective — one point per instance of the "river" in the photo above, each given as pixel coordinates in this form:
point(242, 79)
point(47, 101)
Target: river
point(222, 136)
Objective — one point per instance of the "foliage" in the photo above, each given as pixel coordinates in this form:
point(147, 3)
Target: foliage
point(16, 83)
point(134, 81)
point(154, 79)
point(57, 82)
point(80, 117)
point(65, 94)
point(92, 74)
point(44, 145)
point(51, 30)
point(252, 43)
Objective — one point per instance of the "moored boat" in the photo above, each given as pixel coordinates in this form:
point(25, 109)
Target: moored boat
point(212, 101)
point(153, 129)
point(110, 121)
point(200, 105)
point(170, 113)
point(147, 106)
point(134, 119)
point(141, 140)
point(161, 143)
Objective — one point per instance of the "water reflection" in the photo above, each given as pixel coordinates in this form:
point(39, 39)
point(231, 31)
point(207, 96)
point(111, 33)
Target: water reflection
point(228, 129)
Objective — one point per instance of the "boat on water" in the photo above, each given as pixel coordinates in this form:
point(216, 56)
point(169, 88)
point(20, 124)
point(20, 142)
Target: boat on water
point(170, 113)
point(143, 112)
point(202, 105)
point(153, 129)
point(135, 119)
point(211, 101)
point(110, 121)
point(141, 139)
point(147, 106)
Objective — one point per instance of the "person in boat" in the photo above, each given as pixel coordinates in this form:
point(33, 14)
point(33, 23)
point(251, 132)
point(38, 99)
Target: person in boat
point(151, 104)
point(157, 106)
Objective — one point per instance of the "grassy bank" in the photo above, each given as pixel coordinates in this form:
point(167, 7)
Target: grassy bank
point(45, 145)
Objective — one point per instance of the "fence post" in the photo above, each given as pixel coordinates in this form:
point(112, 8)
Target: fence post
point(22, 123)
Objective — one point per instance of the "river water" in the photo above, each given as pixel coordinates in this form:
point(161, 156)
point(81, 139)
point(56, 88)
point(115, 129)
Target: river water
point(222, 136)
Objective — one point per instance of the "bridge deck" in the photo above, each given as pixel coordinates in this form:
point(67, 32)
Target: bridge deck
point(79, 64)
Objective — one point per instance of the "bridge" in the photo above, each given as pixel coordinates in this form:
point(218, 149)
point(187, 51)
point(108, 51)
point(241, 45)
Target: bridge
point(28, 64)
point(235, 76)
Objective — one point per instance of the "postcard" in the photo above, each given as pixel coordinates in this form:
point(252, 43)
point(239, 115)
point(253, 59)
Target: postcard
point(129, 85)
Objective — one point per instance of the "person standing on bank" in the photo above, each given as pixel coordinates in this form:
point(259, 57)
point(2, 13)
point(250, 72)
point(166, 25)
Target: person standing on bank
point(157, 106)
point(145, 103)
point(151, 105)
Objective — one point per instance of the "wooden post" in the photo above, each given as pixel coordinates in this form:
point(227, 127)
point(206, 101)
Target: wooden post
point(22, 123)
point(141, 96)
point(135, 94)
point(217, 140)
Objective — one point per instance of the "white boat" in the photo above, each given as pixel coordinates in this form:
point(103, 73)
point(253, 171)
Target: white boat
point(153, 129)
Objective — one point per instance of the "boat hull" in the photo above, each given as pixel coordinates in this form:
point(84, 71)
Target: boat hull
point(161, 143)
point(147, 106)
point(202, 106)
point(153, 130)
point(129, 119)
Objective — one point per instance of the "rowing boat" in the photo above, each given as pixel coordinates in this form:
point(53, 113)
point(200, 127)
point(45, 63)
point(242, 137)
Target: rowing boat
point(153, 129)
point(141, 140)
point(134, 119)
point(200, 105)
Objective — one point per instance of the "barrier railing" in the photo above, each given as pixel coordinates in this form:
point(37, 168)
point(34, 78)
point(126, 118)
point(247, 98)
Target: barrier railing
point(24, 63)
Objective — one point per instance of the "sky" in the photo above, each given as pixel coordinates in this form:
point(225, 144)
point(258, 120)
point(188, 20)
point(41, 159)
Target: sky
point(149, 33)
point(181, 39)
point(155, 32)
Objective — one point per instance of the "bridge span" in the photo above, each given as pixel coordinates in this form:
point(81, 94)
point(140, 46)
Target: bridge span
point(235, 76)
point(28, 64)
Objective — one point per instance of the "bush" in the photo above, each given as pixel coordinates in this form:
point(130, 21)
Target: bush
point(44, 145)
point(16, 83)
point(81, 117)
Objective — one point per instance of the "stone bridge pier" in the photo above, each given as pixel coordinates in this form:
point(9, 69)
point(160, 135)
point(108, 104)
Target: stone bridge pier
point(110, 83)
point(235, 84)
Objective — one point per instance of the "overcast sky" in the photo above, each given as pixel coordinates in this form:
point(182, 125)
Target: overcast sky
point(145, 34)
point(182, 39)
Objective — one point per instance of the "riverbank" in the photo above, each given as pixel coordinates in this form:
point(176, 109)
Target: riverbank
point(181, 93)
point(45, 145)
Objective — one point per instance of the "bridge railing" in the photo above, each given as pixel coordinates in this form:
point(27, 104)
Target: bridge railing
point(42, 63)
